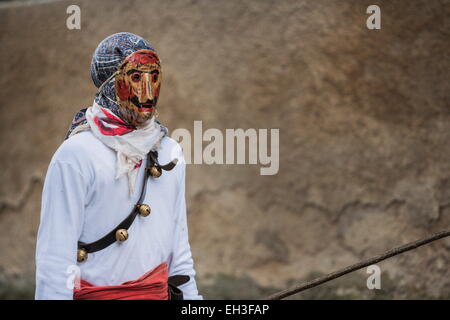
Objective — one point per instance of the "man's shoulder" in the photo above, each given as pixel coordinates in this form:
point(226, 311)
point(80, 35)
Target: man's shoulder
point(80, 147)
point(168, 142)
point(170, 149)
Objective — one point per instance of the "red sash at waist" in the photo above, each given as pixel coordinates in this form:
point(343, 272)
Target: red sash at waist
point(151, 286)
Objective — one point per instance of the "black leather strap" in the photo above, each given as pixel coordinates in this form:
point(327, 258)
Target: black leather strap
point(175, 293)
point(110, 238)
point(167, 167)
point(178, 280)
point(174, 281)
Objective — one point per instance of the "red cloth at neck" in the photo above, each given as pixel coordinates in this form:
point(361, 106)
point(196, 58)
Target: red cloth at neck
point(151, 286)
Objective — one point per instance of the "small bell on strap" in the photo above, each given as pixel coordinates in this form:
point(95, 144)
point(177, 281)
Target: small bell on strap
point(82, 255)
point(121, 235)
point(155, 171)
point(144, 210)
point(156, 168)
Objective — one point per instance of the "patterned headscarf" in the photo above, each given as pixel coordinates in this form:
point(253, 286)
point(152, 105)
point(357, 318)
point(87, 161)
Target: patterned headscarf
point(131, 143)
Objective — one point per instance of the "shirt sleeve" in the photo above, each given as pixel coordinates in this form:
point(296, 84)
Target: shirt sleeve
point(62, 215)
point(182, 262)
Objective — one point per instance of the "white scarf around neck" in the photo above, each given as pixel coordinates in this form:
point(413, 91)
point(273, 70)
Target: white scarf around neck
point(131, 148)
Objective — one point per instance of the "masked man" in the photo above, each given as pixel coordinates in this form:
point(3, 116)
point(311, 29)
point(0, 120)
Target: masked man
point(113, 216)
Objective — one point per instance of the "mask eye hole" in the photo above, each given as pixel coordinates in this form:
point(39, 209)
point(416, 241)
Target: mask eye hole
point(135, 77)
point(155, 77)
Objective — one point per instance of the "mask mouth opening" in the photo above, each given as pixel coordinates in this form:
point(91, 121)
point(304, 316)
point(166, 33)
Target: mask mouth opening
point(143, 106)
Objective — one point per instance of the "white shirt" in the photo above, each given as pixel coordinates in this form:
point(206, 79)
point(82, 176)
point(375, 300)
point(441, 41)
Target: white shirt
point(82, 200)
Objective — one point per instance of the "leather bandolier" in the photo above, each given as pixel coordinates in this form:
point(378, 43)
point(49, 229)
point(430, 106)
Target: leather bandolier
point(120, 232)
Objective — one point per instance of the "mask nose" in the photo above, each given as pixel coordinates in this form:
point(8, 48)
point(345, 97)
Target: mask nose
point(146, 89)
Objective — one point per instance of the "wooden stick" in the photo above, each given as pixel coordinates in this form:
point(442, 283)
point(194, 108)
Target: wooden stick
point(393, 252)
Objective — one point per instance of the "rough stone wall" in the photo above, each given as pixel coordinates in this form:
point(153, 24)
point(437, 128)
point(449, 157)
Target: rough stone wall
point(363, 118)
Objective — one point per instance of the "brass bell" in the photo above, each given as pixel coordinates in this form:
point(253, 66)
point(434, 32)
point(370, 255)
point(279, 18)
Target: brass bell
point(121, 235)
point(155, 172)
point(82, 255)
point(144, 210)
